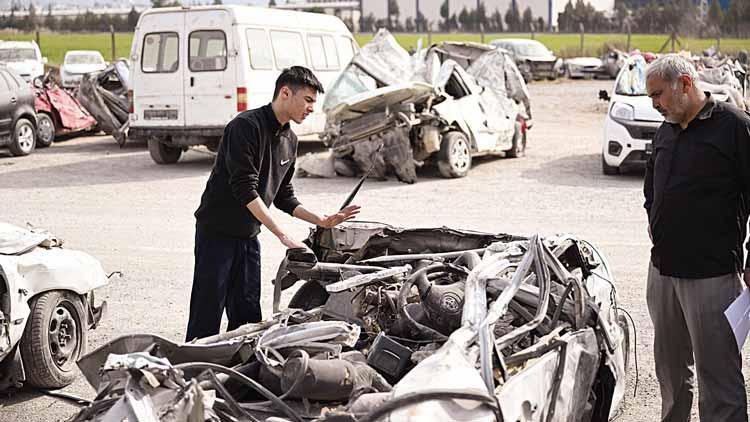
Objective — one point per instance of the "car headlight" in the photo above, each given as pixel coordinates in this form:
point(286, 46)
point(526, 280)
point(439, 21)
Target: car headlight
point(622, 111)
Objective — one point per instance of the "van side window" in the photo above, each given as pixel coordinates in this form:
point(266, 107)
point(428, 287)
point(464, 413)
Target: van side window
point(207, 51)
point(288, 49)
point(259, 49)
point(315, 42)
point(160, 52)
point(346, 50)
point(332, 55)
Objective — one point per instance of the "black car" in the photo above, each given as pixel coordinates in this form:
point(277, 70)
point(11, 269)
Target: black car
point(17, 113)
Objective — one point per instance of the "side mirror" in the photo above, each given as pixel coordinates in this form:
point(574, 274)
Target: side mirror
point(604, 95)
point(37, 83)
point(44, 60)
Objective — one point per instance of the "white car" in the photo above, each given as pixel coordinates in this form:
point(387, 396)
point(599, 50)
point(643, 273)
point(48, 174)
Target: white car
point(78, 63)
point(582, 67)
point(24, 57)
point(631, 120)
point(46, 308)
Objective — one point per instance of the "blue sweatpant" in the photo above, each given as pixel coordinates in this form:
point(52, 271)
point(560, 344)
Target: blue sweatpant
point(226, 276)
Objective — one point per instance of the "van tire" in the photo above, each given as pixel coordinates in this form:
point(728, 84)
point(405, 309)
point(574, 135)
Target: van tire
point(23, 138)
point(454, 157)
point(162, 153)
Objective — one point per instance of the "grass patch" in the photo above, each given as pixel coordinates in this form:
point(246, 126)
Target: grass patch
point(55, 44)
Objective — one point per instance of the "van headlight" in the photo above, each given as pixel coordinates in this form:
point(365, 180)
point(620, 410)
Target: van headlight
point(622, 111)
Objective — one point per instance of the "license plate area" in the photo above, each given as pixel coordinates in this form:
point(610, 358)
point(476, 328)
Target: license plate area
point(160, 114)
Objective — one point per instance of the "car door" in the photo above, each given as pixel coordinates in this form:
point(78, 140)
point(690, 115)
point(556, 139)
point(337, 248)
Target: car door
point(7, 104)
point(211, 71)
point(158, 72)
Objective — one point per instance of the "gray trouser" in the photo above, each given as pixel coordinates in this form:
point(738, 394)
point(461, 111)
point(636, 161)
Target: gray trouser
point(688, 317)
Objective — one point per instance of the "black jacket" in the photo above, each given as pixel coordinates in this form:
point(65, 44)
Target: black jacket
point(697, 190)
point(256, 159)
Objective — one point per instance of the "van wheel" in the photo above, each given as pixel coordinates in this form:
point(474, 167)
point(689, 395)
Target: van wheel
point(609, 170)
point(24, 138)
point(45, 130)
point(454, 157)
point(162, 153)
point(518, 149)
point(54, 339)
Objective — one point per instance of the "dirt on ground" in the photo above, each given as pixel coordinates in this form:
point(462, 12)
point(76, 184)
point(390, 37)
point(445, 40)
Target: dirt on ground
point(137, 217)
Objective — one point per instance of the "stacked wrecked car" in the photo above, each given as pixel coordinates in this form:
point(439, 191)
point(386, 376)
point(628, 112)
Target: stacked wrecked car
point(394, 324)
point(389, 112)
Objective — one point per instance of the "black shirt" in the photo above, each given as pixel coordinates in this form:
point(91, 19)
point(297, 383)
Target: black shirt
point(697, 189)
point(256, 159)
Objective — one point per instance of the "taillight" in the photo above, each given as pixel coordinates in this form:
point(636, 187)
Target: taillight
point(131, 105)
point(241, 98)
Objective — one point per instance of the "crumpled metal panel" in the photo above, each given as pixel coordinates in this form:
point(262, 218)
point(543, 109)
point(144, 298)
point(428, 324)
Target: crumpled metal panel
point(386, 59)
point(72, 114)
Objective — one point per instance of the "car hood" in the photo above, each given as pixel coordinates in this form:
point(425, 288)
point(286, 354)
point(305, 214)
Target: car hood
point(584, 61)
point(642, 107)
point(77, 69)
point(357, 105)
point(24, 67)
point(539, 59)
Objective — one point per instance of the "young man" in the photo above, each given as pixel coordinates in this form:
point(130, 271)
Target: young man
point(697, 189)
point(254, 168)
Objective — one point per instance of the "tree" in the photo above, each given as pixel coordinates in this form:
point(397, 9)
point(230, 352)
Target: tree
point(512, 20)
point(496, 21)
point(216, 2)
point(29, 23)
point(409, 25)
point(540, 24)
point(392, 11)
point(465, 19)
point(480, 17)
point(271, 3)
point(132, 19)
point(527, 20)
point(420, 23)
point(714, 13)
point(445, 13)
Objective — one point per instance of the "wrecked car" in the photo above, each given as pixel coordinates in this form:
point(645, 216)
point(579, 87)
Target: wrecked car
point(58, 112)
point(534, 59)
point(582, 67)
point(105, 96)
point(46, 307)
point(393, 324)
point(389, 112)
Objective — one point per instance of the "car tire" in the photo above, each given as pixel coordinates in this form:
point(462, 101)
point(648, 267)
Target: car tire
point(454, 157)
point(162, 153)
point(24, 138)
point(45, 132)
point(54, 338)
point(609, 170)
point(518, 149)
point(310, 295)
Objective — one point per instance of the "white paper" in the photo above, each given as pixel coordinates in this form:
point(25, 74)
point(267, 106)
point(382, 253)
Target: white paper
point(738, 315)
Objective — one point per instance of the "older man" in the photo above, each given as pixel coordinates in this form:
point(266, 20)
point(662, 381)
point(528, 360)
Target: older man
point(697, 189)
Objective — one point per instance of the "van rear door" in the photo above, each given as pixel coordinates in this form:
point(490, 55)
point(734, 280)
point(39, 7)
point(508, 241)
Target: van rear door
point(158, 93)
point(211, 91)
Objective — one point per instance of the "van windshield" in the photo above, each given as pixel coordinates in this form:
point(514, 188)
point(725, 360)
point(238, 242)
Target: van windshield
point(352, 81)
point(17, 54)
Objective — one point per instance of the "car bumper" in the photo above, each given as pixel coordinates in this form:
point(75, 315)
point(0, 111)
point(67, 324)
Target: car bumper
point(627, 143)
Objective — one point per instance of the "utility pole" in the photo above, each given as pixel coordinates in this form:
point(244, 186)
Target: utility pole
point(419, 21)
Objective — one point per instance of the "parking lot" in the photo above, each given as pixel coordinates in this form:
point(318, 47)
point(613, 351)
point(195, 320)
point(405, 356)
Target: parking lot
point(136, 217)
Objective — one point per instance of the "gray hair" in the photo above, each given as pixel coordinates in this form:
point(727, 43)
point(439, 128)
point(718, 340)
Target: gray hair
point(670, 67)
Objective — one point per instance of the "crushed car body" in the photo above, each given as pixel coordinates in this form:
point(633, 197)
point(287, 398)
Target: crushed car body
point(393, 324)
point(389, 112)
point(105, 96)
point(58, 112)
point(46, 307)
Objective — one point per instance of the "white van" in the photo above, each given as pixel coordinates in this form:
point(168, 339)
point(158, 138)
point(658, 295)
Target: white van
point(194, 68)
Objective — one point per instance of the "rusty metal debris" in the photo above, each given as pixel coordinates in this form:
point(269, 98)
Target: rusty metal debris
point(392, 112)
point(459, 325)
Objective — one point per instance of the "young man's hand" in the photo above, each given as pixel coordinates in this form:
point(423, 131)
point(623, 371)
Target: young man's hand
point(291, 243)
point(345, 214)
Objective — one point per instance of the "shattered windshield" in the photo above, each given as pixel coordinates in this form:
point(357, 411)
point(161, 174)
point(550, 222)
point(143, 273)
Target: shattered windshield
point(17, 54)
point(84, 59)
point(531, 48)
point(352, 81)
point(632, 80)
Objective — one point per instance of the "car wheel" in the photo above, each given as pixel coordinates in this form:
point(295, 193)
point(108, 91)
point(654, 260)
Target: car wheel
point(310, 295)
point(454, 158)
point(519, 144)
point(24, 138)
point(54, 339)
point(162, 153)
point(45, 133)
point(609, 170)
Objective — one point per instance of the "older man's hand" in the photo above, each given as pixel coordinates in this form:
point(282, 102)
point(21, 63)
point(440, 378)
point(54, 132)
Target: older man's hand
point(345, 214)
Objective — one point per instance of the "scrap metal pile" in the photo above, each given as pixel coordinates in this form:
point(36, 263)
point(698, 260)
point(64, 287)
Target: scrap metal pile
point(395, 325)
point(104, 94)
point(389, 111)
